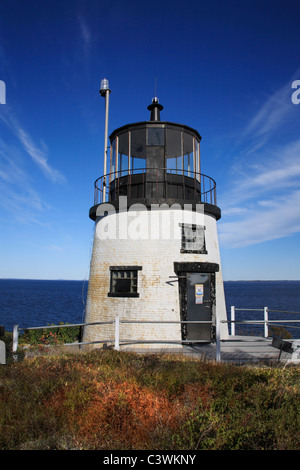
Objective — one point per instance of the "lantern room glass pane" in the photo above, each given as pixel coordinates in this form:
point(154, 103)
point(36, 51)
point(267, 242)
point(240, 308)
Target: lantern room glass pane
point(174, 151)
point(197, 158)
point(123, 152)
point(156, 136)
point(113, 156)
point(123, 164)
point(138, 149)
point(174, 165)
point(187, 143)
point(171, 165)
point(173, 143)
point(137, 164)
point(189, 164)
point(188, 149)
point(123, 143)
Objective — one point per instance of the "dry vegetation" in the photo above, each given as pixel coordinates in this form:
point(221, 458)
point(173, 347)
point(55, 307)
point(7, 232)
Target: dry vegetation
point(117, 400)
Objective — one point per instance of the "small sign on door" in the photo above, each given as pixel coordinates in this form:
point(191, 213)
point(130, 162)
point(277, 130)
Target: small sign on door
point(199, 292)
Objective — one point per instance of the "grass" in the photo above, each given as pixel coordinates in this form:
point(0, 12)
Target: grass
point(123, 401)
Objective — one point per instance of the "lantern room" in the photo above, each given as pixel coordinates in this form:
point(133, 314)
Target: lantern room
point(152, 161)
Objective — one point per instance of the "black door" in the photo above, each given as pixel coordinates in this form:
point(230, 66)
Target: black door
point(199, 306)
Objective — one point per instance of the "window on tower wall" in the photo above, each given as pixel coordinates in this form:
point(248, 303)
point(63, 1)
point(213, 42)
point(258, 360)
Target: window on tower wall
point(124, 281)
point(193, 238)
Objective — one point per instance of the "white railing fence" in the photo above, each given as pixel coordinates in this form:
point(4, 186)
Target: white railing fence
point(266, 321)
point(118, 339)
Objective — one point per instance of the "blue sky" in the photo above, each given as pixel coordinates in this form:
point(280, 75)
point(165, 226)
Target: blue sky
point(225, 68)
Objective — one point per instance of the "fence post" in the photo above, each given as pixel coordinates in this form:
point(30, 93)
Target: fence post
point(15, 338)
point(233, 320)
point(266, 322)
point(218, 342)
point(15, 341)
point(117, 333)
point(2, 352)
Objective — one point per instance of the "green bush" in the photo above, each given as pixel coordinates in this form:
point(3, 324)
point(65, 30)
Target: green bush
point(51, 336)
point(280, 332)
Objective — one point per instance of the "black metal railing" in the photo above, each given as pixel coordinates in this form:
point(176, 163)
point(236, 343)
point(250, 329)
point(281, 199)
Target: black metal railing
point(141, 183)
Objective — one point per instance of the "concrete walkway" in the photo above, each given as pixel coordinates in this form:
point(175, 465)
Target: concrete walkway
point(237, 350)
point(241, 349)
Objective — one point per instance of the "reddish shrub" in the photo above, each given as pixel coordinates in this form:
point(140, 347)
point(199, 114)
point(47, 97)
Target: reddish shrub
point(125, 414)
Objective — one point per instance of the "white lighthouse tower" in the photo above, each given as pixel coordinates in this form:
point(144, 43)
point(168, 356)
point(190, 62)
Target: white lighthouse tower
point(155, 262)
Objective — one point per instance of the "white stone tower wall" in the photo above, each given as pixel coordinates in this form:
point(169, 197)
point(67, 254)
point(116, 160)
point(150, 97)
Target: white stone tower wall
point(152, 240)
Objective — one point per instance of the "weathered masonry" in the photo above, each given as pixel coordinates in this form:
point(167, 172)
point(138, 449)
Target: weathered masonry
point(155, 254)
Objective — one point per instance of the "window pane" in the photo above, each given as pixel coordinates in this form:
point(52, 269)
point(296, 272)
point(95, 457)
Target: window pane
point(123, 143)
point(138, 163)
point(179, 165)
point(156, 136)
point(122, 285)
point(113, 157)
point(171, 165)
point(187, 143)
point(138, 149)
point(173, 143)
point(123, 164)
point(188, 151)
point(197, 158)
point(123, 154)
point(193, 238)
point(189, 164)
point(124, 281)
point(138, 143)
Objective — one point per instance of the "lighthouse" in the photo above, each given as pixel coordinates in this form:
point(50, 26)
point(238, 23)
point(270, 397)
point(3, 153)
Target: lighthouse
point(155, 262)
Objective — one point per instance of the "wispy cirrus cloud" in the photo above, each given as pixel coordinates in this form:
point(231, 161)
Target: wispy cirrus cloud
point(267, 220)
point(262, 198)
point(18, 194)
point(85, 42)
point(270, 115)
point(85, 33)
point(272, 169)
point(38, 155)
point(36, 152)
point(275, 113)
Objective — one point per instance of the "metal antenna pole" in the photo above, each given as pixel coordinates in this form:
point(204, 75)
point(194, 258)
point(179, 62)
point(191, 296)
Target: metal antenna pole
point(105, 91)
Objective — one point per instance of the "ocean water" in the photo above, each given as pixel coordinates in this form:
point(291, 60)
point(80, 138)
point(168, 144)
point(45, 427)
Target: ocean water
point(39, 302)
point(276, 295)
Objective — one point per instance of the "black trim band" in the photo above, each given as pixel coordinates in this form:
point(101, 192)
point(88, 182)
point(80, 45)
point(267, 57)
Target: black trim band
point(191, 267)
point(125, 268)
point(211, 209)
